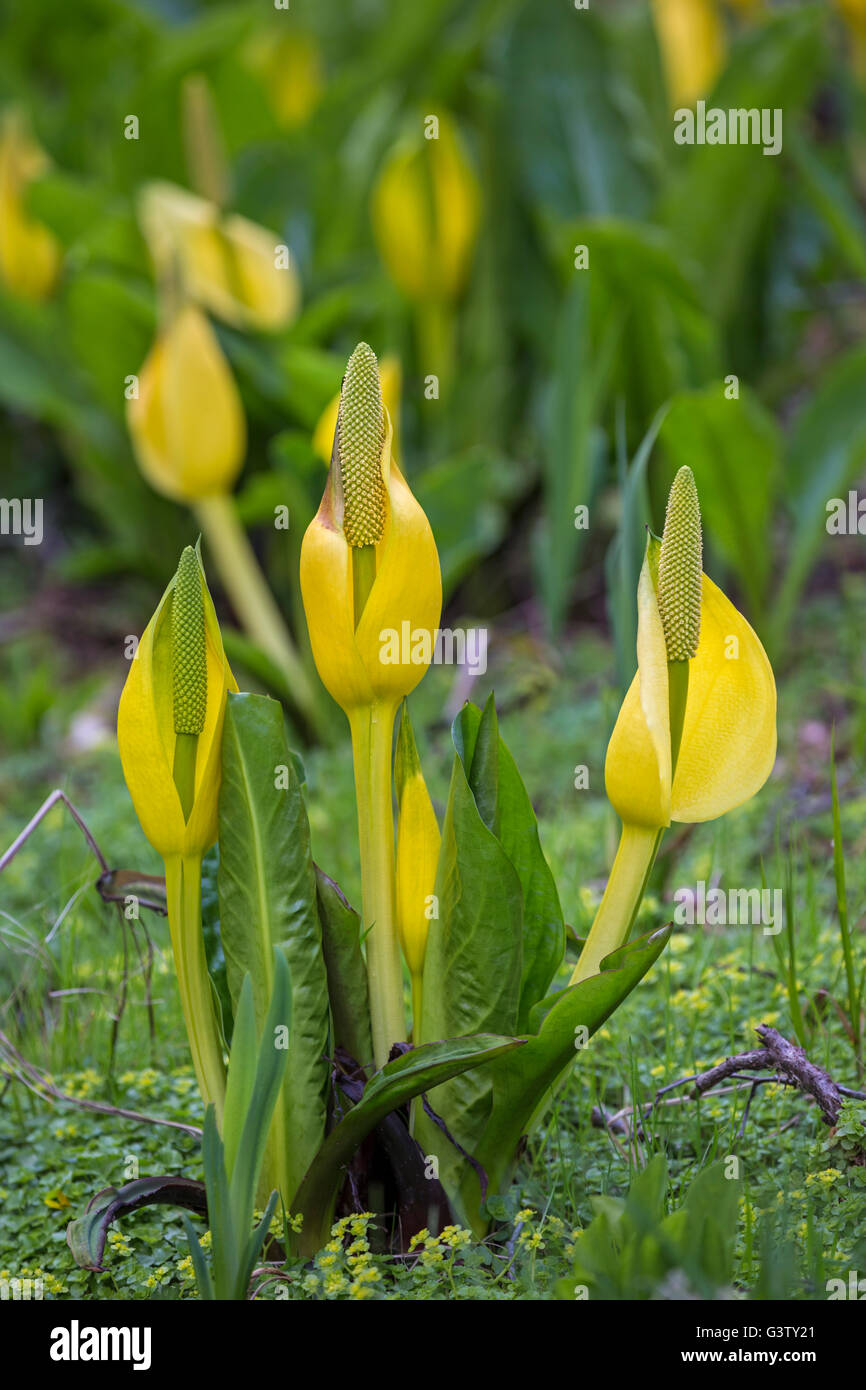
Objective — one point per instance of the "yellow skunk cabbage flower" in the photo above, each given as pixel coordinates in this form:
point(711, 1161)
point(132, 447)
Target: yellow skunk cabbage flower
point(381, 654)
point(418, 844)
point(234, 268)
point(372, 593)
point(187, 425)
point(425, 211)
point(169, 731)
point(290, 67)
point(696, 733)
point(29, 253)
point(391, 378)
point(177, 685)
point(691, 37)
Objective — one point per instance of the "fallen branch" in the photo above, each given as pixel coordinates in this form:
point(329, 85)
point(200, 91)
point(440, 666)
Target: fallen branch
point(788, 1066)
point(37, 1082)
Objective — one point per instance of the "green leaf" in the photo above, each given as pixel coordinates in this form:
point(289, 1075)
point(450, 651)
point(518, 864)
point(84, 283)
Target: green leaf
point(267, 891)
point(86, 1235)
point(203, 1278)
point(720, 200)
point(416, 1071)
point(474, 961)
point(826, 449)
point(574, 145)
point(241, 1075)
point(517, 831)
point(625, 553)
point(577, 388)
point(270, 1070)
point(347, 974)
point(225, 1232)
point(522, 1081)
point(481, 759)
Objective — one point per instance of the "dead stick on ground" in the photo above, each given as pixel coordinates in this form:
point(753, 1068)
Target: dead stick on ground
point(789, 1065)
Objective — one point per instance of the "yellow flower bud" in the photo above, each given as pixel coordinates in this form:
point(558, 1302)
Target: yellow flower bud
point(168, 667)
point(187, 425)
point(382, 656)
point(691, 37)
point(290, 66)
point(418, 843)
point(234, 268)
point(425, 211)
point(29, 253)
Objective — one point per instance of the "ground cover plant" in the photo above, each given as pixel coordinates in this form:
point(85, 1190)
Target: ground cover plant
point(432, 712)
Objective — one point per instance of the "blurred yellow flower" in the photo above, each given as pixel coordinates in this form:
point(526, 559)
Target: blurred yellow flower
point(30, 254)
point(187, 423)
point(290, 67)
point(691, 37)
point(425, 210)
point(234, 268)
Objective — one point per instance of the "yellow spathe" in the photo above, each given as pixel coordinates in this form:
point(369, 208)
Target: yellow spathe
point(146, 736)
point(691, 37)
point(187, 425)
point(418, 844)
point(729, 731)
point(228, 264)
point(425, 211)
point(407, 588)
point(30, 254)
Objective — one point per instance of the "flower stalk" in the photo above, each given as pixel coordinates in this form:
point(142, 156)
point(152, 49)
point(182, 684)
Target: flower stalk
point(369, 564)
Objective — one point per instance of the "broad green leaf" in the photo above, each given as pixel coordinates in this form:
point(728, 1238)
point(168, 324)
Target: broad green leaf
point(416, 1071)
point(474, 960)
point(831, 198)
point(826, 450)
point(658, 333)
point(522, 1082)
point(718, 203)
point(575, 148)
point(517, 831)
point(347, 974)
point(481, 764)
point(580, 377)
point(733, 448)
point(267, 890)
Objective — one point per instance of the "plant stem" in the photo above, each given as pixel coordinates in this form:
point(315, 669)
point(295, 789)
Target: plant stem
point(638, 847)
point(183, 896)
point(372, 729)
point(251, 598)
